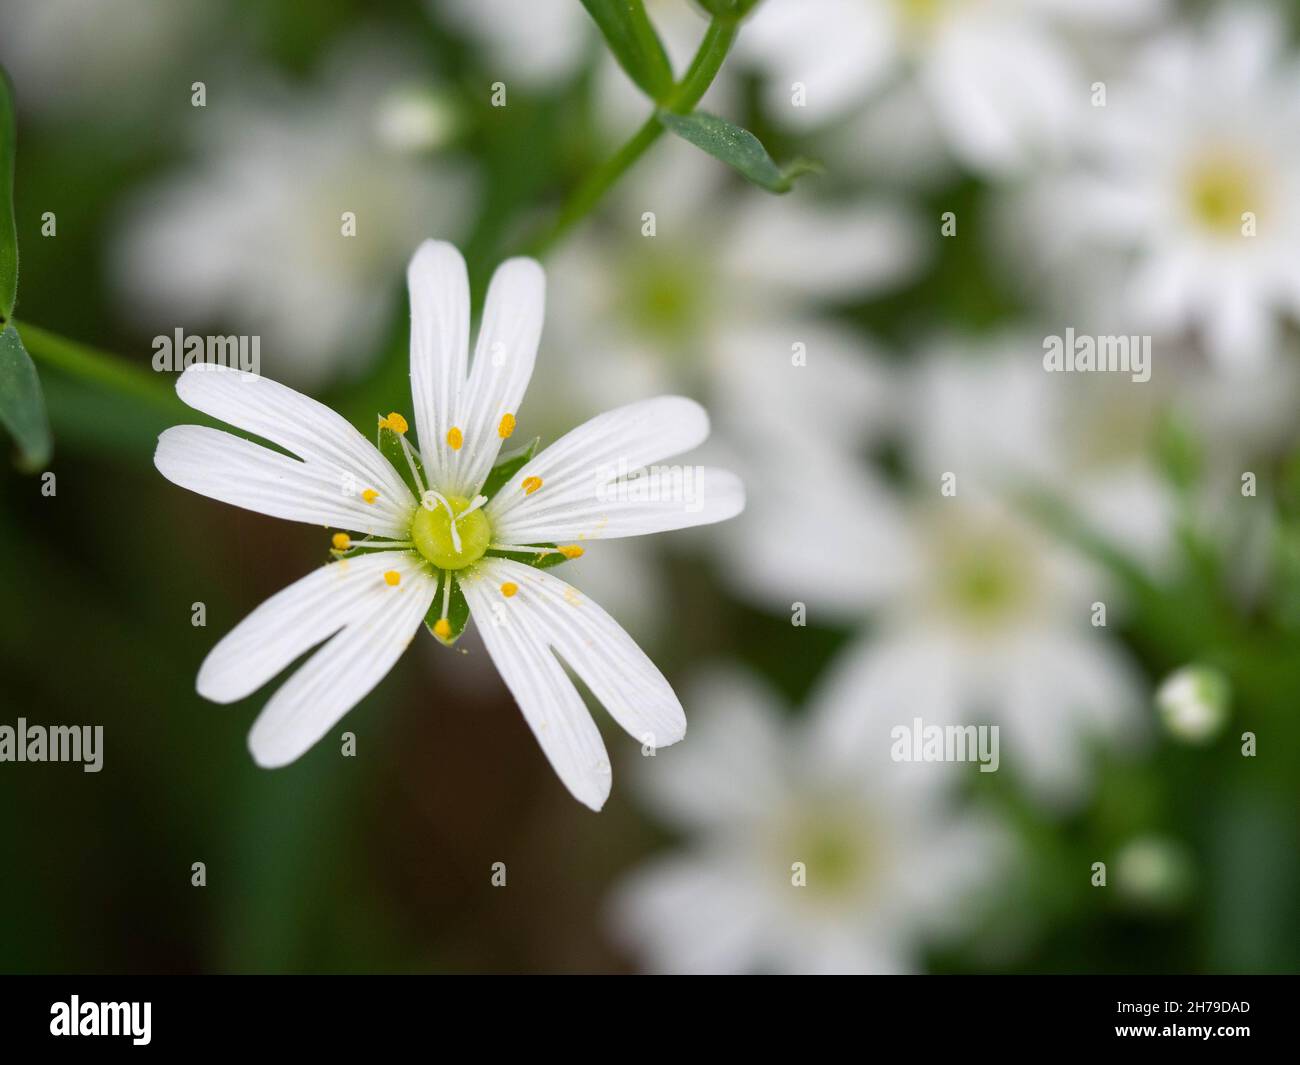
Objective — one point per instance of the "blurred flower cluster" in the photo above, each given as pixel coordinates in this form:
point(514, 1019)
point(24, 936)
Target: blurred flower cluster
point(940, 531)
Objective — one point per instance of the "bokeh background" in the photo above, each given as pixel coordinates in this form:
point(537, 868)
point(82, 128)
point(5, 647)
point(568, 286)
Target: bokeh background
point(976, 198)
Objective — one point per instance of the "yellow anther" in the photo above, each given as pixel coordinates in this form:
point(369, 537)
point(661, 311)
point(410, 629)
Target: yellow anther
point(507, 426)
point(571, 551)
point(442, 628)
point(455, 438)
point(531, 484)
point(509, 588)
point(369, 495)
point(342, 541)
point(395, 422)
point(392, 578)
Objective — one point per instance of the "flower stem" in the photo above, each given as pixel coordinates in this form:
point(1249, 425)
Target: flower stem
point(98, 367)
point(713, 49)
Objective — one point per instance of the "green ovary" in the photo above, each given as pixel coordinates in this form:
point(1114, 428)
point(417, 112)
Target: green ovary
point(431, 531)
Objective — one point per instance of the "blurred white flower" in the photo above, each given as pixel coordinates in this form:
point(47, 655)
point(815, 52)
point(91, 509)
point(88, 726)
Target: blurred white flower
point(74, 58)
point(1187, 188)
point(728, 300)
point(990, 621)
point(989, 409)
point(1154, 872)
point(692, 283)
point(421, 551)
point(1193, 703)
point(538, 42)
point(886, 861)
point(998, 75)
point(251, 235)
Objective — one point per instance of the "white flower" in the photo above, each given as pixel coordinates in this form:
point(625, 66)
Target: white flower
point(82, 58)
point(734, 284)
point(255, 235)
point(997, 75)
point(537, 42)
point(424, 549)
point(886, 860)
point(989, 621)
point(1090, 439)
point(1189, 179)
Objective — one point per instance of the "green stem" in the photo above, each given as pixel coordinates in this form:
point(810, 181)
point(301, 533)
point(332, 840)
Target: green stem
point(682, 99)
point(98, 367)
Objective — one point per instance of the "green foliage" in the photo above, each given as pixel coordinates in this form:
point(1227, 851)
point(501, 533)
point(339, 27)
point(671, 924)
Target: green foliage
point(736, 147)
point(636, 46)
point(22, 406)
point(8, 229)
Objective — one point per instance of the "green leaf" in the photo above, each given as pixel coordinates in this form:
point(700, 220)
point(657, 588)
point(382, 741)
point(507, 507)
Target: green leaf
point(508, 464)
point(22, 406)
point(8, 229)
point(636, 46)
point(457, 612)
point(736, 147)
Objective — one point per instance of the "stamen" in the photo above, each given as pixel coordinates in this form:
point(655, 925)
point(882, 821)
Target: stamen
point(531, 484)
point(455, 438)
point(341, 541)
point(410, 461)
point(392, 578)
point(446, 603)
point(507, 426)
point(387, 545)
point(509, 588)
point(369, 495)
point(394, 422)
point(442, 628)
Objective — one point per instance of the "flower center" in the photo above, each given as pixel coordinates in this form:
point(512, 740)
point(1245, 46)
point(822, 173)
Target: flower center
point(920, 18)
point(450, 531)
point(1220, 189)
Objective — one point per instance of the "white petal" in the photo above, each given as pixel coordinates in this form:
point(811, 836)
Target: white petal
point(244, 474)
point(547, 615)
point(439, 290)
point(337, 461)
point(381, 621)
point(584, 495)
point(503, 365)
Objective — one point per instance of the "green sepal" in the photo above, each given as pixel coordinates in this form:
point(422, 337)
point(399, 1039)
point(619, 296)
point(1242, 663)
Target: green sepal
point(457, 611)
point(537, 561)
point(508, 464)
point(736, 147)
point(22, 403)
point(389, 443)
